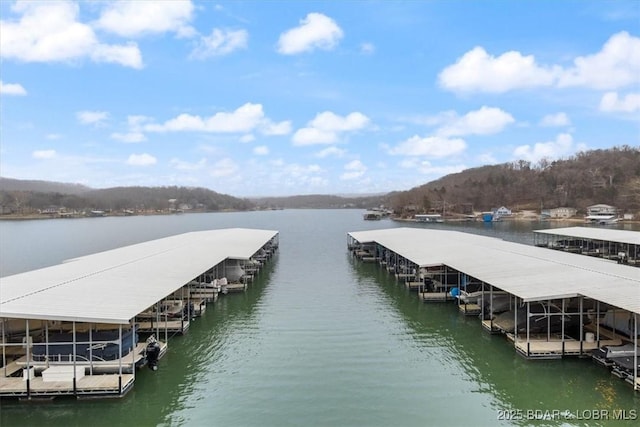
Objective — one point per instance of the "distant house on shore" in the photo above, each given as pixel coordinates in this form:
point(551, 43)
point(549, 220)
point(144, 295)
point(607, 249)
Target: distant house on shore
point(501, 211)
point(562, 212)
point(601, 209)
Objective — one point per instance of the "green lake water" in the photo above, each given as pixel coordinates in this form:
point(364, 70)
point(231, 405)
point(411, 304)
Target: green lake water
point(318, 340)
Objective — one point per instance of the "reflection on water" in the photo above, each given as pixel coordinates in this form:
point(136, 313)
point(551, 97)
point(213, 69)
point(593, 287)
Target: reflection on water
point(318, 339)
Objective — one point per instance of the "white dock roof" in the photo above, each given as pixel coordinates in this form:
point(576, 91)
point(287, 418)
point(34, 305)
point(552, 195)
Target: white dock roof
point(599, 233)
point(529, 272)
point(116, 285)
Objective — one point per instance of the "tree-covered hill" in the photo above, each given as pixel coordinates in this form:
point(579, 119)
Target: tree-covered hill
point(30, 199)
point(609, 176)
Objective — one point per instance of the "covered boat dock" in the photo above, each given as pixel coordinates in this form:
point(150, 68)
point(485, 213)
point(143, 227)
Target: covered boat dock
point(622, 246)
point(72, 329)
point(575, 293)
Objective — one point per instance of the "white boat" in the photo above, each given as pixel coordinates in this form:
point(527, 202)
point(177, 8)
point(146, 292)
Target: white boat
point(428, 218)
point(601, 219)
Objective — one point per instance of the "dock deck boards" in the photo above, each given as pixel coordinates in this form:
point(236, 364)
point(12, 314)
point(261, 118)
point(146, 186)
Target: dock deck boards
point(553, 348)
point(89, 384)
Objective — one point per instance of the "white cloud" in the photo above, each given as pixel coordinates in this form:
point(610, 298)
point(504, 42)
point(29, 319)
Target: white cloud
point(281, 128)
point(425, 167)
point(129, 137)
point(261, 150)
point(186, 166)
point(563, 145)
point(12, 89)
point(477, 71)
point(136, 18)
point(312, 136)
point(330, 151)
point(53, 136)
point(611, 102)
point(315, 31)
point(615, 66)
point(141, 160)
point(331, 122)
point(224, 167)
point(555, 120)
point(485, 121)
point(96, 118)
point(244, 119)
point(51, 32)
point(220, 42)
point(326, 127)
point(432, 146)
point(353, 170)
point(44, 154)
point(127, 55)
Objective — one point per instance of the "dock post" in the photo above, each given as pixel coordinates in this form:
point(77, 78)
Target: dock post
point(28, 359)
point(581, 326)
point(75, 345)
point(636, 385)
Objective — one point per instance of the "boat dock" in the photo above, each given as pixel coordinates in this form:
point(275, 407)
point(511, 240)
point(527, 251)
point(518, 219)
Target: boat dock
point(74, 328)
point(622, 246)
point(549, 304)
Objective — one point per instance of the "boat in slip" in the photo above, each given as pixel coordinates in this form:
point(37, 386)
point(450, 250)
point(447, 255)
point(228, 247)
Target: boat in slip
point(542, 318)
point(601, 219)
point(372, 216)
point(608, 354)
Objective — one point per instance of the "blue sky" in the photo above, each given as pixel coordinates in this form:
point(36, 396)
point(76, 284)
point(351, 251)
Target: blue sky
point(255, 98)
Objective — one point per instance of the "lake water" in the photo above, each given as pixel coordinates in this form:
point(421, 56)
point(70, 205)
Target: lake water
point(318, 340)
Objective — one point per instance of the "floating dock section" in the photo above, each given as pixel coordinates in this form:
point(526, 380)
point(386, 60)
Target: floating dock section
point(549, 304)
point(622, 246)
point(75, 328)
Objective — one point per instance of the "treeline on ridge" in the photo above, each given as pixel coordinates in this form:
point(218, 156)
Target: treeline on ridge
point(122, 198)
point(610, 176)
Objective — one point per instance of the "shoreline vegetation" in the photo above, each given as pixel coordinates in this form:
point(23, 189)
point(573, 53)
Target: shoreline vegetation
point(525, 216)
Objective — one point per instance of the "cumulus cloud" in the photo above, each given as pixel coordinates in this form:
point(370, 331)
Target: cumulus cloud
point(330, 152)
point(612, 103)
point(96, 118)
point(129, 137)
point(427, 168)
point(220, 42)
point(431, 146)
point(12, 89)
point(477, 71)
point(44, 154)
point(555, 120)
point(244, 119)
point(616, 65)
point(563, 145)
point(261, 150)
point(137, 18)
point(326, 128)
point(353, 170)
point(316, 31)
point(485, 121)
point(281, 128)
point(51, 32)
point(141, 160)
